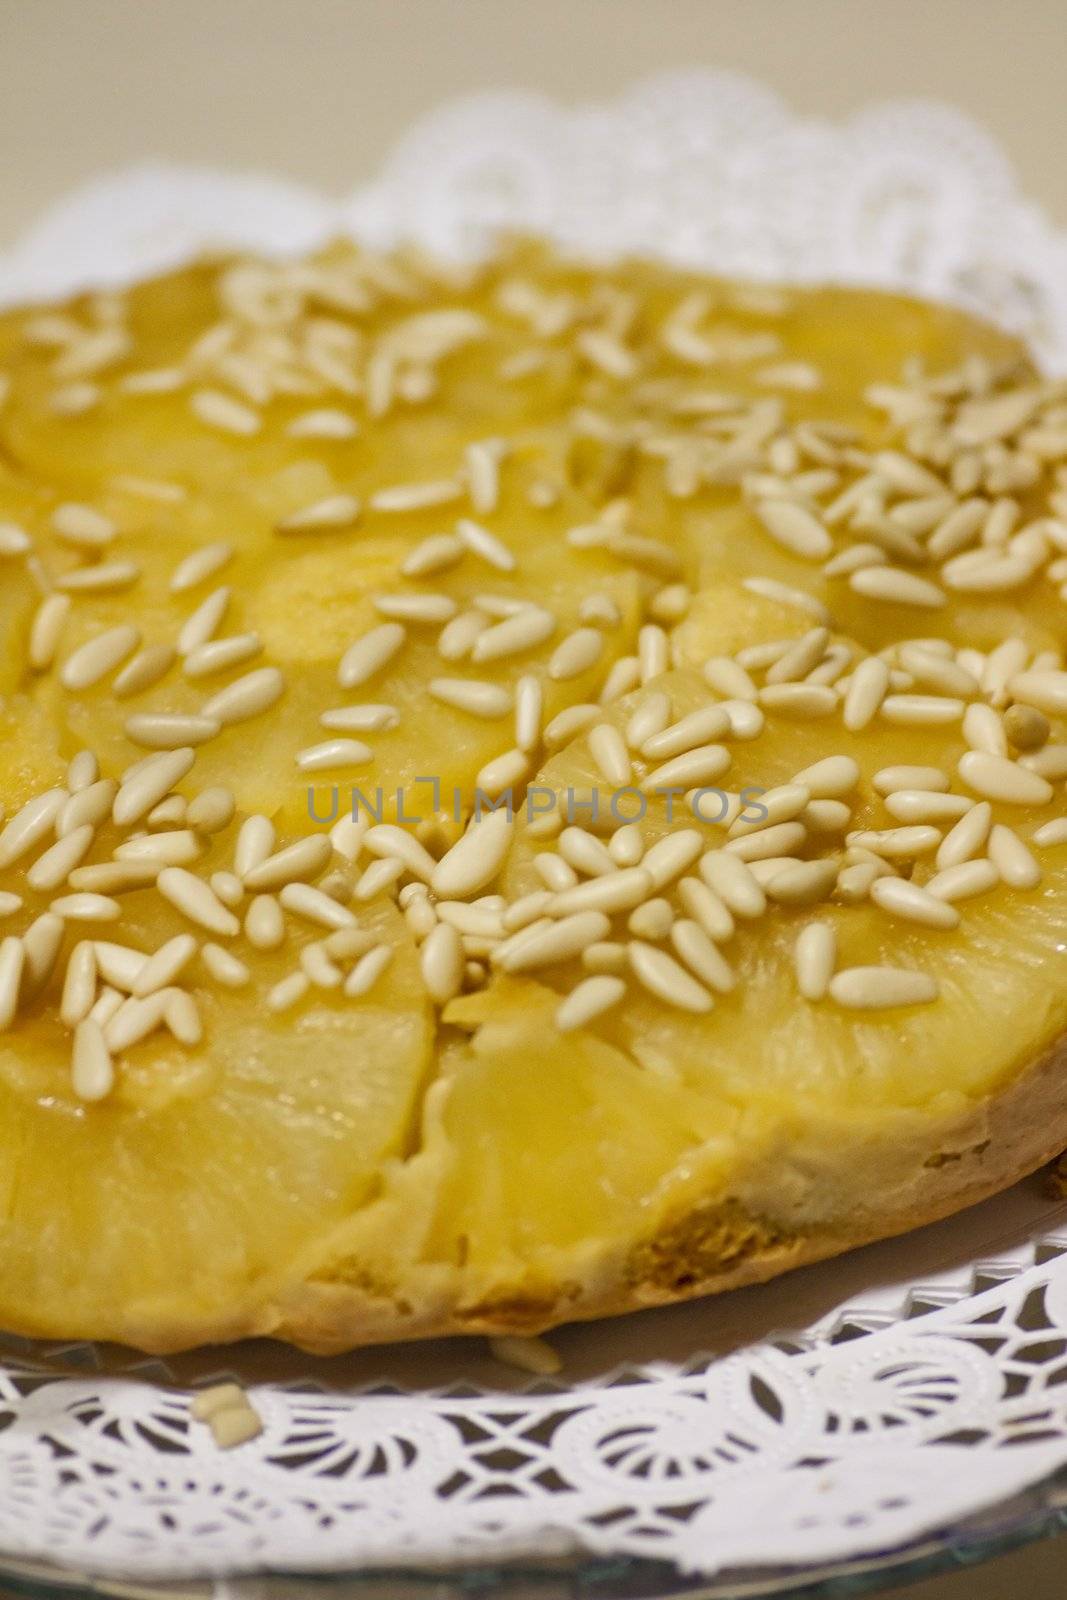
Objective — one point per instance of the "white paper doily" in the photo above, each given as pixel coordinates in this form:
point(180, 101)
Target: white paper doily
point(927, 1378)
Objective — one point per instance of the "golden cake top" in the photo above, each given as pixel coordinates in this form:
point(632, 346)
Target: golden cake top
point(425, 678)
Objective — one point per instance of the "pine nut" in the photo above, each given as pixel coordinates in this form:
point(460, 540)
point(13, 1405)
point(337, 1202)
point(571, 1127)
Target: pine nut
point(592, 997)
point(92, 1071)
point(909, 901)
point(814, 957)
point(1013, 861)
point(999, 779)
point(963, 880)
point(881, 988)
point(666, 979)
point(195, 899)
point(315, 906)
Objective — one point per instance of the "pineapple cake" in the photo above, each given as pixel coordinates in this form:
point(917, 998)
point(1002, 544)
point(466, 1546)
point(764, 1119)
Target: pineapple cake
point(529, 791)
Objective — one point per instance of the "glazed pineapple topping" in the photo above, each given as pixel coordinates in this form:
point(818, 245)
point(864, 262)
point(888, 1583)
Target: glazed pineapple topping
point(526, 791)
point(649, 902)
point(357, 521)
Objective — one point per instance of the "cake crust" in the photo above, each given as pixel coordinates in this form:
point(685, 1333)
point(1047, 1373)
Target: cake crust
point(754, 1235)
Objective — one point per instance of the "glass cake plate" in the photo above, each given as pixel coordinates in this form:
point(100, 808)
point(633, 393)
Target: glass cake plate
point(853, 1424)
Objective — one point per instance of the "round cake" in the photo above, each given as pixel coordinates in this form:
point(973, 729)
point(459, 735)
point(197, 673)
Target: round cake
point(529, 791)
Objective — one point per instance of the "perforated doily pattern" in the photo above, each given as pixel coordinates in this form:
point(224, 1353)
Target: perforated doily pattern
point(924, 1385)
point(806, 1448)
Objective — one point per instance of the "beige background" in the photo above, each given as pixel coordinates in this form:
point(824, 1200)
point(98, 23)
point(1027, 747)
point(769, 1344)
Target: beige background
point(319, 89)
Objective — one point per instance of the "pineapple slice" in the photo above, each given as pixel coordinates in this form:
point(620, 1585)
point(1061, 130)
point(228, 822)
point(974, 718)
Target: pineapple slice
point(316, 530)
point(836, 1058)
point(18, 600)
point(360, 524)
point(300, 616)
point(31, 756)
point(174, 1223)
point(658, 1151)
point(173, 1210)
